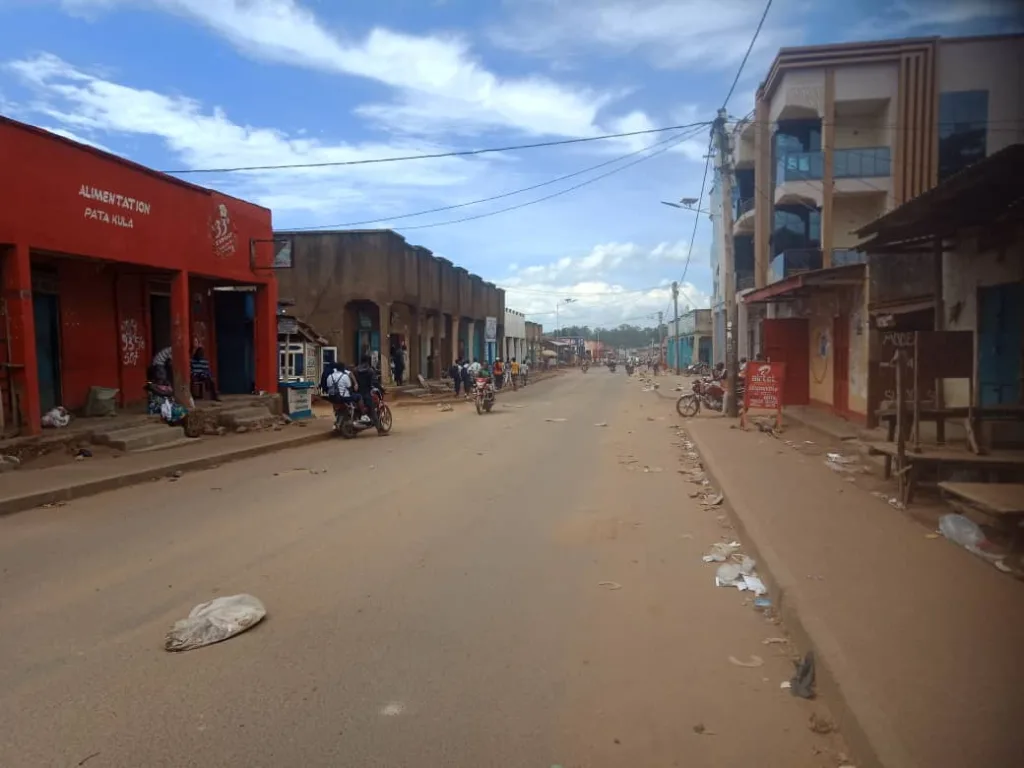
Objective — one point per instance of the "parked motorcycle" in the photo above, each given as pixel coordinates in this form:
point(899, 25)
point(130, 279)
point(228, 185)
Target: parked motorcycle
point(483, 395)
point(705, 393)
point(348, 417)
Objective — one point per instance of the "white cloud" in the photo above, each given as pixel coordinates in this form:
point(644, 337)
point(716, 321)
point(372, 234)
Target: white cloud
point(76, 137)
point(203, 137)
point(671, 34)
point(439, 85)
point(598, 283)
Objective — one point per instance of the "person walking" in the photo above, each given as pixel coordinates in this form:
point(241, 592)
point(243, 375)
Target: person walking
point(456, 373)
point(467, 378)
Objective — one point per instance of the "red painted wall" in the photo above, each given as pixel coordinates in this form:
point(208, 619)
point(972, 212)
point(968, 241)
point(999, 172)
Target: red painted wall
point(66, 198)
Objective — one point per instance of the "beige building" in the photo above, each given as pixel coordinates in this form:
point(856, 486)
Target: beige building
point(839, 135)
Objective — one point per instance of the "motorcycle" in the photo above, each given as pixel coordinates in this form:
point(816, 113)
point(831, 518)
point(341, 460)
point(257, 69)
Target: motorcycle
point(483, 395)
point(629, 369)
point(611, 367)
point(706, 393)
point(348, 417)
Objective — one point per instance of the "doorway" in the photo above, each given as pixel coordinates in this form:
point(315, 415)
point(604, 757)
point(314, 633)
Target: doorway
point(234, 312)
point(786, 341)
point(46, 312)
point(841, 365)
point(159, 321)
point(1000, 323)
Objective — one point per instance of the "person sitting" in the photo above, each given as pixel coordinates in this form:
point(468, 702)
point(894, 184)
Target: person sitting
point(339, 386)
point(202, 376)
point(367, 378)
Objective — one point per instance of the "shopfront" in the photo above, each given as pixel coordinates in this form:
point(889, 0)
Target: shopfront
point(104, 262)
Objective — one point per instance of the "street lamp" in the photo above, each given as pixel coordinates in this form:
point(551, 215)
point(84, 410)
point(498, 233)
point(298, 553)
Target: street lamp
point(687, 204)
point(557, 304)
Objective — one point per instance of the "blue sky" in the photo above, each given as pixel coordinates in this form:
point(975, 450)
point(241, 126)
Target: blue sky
point(189, 84)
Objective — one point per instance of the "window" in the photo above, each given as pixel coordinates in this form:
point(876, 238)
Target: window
point(963, 125)
point(292, 362)
point(796, 228)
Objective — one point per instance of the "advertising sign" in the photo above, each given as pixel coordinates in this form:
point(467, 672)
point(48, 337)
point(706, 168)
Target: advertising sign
point(764, 385)
point(491, 329)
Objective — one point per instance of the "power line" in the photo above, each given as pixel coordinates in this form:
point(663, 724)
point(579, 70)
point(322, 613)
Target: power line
point(746, 55)
point(501, 196)
point(437, 155)
point(678, 139)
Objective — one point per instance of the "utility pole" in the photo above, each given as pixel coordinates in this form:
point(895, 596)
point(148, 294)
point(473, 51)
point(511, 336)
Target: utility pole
point(675, 310)
point(725, 177)
point(661, 336)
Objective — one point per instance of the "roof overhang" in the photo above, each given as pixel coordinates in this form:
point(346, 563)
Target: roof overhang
point(808, 283)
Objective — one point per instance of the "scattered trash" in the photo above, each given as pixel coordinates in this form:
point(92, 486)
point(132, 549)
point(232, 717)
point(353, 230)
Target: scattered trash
point(652, 469)
point(754, 661)
point(785, 684)
point(762, 603)
point(839, 463)
point(556, 421)
point(214, 621)
point(932, 535)
point(802, 682)
point(967, 534)
point(445, 407)
point(610, 585)
point(601, 424)
point(720, 552)
point(686, 536)
point(56, 418)
point(700, 730)
point(820, 725)
point(774, 641)
point(713, 501)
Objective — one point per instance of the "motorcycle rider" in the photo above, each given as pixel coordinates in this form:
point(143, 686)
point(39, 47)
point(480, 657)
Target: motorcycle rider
point(366, 378)
point(338, 386)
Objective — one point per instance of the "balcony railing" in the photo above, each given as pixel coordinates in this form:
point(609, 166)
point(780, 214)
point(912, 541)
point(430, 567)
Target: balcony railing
point(794, 261)
point(842, 257)
point(859, 163)
point(744, 280)
point(863, 162)
point(744, 205)
point(799, 166)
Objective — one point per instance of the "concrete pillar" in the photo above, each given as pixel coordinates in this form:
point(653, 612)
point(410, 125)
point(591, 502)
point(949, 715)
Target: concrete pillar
point(17, 290)
point(181, 347)
point(384, 312)
point(266, 337)
point(415, 353)
point(453, 336)
point(470, 348)
point(435, 345)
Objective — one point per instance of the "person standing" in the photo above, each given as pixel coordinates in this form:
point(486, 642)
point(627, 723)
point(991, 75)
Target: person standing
point(456, 373)
point(498, 371)
point(202, 375)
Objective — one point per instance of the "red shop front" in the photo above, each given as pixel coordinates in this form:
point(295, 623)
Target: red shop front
point(104, 262)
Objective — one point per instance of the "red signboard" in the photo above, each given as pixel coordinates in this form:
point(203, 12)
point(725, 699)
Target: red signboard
point(765, 383)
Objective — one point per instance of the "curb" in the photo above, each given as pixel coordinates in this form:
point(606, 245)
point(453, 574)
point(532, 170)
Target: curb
point(85, 488)
point(836, 685)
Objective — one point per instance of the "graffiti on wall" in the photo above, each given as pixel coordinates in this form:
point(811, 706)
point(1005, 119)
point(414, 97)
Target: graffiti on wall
point(199, 334)
point(222, 229)
point(133, 344)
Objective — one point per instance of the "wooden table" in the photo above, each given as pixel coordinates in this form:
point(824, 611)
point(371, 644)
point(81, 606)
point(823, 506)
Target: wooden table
point(1004, 501)
point(942, 456)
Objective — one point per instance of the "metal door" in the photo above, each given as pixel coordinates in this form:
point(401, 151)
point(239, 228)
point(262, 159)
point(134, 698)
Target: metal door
point(787, 341)
point(46, 310)
point(1000, 319)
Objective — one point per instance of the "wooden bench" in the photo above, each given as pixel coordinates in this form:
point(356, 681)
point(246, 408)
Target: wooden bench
point(1003, 501)
point(929, 413)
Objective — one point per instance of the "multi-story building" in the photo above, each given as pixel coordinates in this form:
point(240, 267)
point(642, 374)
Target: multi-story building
point(515, 335)
point(695, 340)
point(841, 134)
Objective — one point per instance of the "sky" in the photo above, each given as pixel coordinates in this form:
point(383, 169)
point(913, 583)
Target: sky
point(186, 85)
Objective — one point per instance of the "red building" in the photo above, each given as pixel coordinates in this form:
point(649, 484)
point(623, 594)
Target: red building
point(104, 262)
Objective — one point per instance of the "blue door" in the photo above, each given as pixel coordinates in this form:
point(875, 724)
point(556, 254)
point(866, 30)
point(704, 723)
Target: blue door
point(1000, 319)
point(233, 323)
point(46, 311)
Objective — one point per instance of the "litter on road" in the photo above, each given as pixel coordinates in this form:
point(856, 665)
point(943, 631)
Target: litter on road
point(215, 621)
point(611, 585)
point(753, 661)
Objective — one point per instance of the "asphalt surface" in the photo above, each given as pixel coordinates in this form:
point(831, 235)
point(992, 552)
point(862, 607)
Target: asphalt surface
point(434, 599)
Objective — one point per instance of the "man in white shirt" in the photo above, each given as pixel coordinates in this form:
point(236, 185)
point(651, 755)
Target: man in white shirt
point(475, 368)
point(339, 385)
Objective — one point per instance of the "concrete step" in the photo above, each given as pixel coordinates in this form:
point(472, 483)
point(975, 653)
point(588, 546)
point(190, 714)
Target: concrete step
point(140, 437)
point(247, 416)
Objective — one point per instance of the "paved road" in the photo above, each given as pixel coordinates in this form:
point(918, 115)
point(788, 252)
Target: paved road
point(433, 600)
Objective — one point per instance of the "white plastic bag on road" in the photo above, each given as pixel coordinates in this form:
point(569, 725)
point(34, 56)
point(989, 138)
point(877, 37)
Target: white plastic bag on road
point(217, 620)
